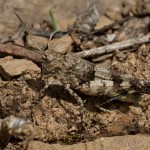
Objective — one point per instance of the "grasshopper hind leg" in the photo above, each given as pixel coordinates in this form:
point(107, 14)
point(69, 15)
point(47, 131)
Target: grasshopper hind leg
point(77, 98)
point(132, 97)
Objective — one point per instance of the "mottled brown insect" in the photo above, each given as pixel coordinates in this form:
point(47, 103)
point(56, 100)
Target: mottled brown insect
point(78, 74)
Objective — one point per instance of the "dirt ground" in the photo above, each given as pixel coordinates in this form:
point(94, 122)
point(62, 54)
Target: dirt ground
point(56, 118)
point(38, 11)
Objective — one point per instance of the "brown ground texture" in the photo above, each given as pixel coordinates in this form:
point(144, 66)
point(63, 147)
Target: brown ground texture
point(56, 117)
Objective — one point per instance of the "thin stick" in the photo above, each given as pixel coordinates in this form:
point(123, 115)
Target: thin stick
point(102, 58)
point(115, 46)
point(20, 52)
point(106, 56)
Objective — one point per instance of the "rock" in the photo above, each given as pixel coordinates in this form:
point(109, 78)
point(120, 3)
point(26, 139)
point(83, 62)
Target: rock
point(64, 23)
point(120, 55)
point(6, 58)
point(36, 42)
point(103, 21)
point(114, 15)
point(111, 37)
point(60, 45)
point(132, 59)
point(134, 27)
point(14, 67)
point(127, 142)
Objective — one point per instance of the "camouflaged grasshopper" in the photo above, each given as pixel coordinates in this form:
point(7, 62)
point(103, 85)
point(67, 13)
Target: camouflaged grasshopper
point(77, 74)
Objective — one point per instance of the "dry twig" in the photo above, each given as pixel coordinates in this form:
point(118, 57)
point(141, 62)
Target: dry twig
point(115, 46)
point(21, 52)
point(107, 56)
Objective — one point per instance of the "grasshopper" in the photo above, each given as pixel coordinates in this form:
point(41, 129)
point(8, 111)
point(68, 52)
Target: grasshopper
point(77, 74)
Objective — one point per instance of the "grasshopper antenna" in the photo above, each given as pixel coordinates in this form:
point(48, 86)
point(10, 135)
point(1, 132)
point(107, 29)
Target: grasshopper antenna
point(19, 17)
point(25, 26)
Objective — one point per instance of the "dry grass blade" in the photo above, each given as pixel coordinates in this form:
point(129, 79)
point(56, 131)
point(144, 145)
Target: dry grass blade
point(54, 21)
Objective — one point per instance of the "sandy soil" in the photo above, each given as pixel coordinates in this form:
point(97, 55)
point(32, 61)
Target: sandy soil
point(56, 117)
